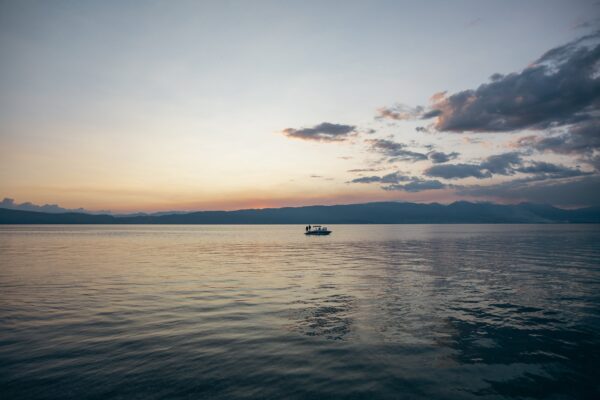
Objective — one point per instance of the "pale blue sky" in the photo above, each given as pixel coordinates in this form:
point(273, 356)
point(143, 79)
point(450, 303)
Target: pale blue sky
point(167, 104)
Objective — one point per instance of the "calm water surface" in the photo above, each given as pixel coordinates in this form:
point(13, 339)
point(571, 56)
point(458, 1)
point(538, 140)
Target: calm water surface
point(245, 312)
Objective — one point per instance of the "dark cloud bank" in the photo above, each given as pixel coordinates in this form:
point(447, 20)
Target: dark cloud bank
point(504, 164)
point(557, 97)
point(560, 88)
point(582, 191)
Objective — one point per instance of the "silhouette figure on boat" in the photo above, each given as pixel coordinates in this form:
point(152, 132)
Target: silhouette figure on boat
point(316, 230)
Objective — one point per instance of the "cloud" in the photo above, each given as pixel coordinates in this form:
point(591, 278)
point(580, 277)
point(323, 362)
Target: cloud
point(594, 161)
point(543, 170)
point(326, 178)
point(431, 114)
point(398, 181)
point(457, 171)
point(364, 170)
point(562, 87)
point(396, 151)
point(366, 179)
point(400, 112)
point(324, 132)
point(394, 177)
point(439, 157)
point(564, 192)
point(584, 24)
point(417, 185)
point(558, 94)
point(504, 164)
point(500, 164)
point(581, 139)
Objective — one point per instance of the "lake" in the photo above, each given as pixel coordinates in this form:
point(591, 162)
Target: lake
point(265, 312)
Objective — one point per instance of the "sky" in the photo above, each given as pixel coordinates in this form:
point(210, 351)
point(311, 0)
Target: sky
point(187, 105)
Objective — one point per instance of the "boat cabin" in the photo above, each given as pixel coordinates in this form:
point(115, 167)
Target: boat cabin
point(317, 230)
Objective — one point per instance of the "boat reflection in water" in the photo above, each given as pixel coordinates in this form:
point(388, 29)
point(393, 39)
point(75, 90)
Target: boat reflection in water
point(317, 230)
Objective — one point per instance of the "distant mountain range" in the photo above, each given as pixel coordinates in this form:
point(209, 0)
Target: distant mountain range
point(368, 213)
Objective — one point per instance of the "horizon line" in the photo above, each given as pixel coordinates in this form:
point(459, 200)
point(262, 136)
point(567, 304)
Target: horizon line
point(30, 207)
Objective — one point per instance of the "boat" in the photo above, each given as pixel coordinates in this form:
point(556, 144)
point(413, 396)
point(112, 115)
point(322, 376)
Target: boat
point(317, 230)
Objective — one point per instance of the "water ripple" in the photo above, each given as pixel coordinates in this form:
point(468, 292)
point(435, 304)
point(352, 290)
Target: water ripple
point(245, 312)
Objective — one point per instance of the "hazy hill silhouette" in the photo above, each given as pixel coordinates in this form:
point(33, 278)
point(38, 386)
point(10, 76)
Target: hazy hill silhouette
point(368, 213)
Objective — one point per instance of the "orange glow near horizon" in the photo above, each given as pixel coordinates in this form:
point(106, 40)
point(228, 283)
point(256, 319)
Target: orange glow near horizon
point(277, 106)
point(120, 203)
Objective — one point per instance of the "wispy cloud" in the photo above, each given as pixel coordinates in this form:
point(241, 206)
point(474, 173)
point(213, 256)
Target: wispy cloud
point(582, 140)
point(584, 190)
point(505, 164)
point(500, 164)
point(585, 23)
point(400, 112)
point(417, 185)
point(323, 132)
point(393, 177)
point(401, 182)
point(355, 170)
point(457, 171)
point(395, 151)
point(439, 157)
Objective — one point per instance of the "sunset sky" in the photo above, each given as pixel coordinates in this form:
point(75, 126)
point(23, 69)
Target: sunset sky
point(188, 105)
